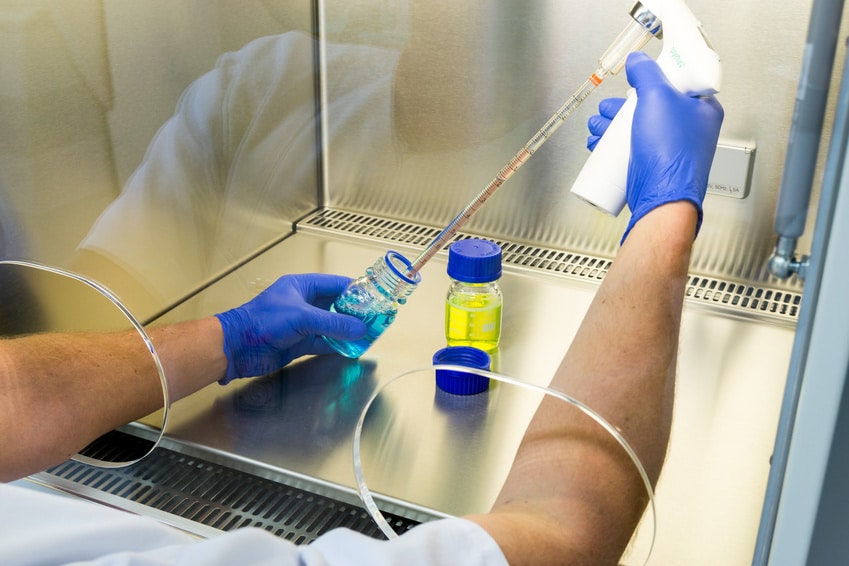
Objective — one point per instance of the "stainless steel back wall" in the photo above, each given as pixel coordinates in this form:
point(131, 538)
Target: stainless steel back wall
point(424, 109)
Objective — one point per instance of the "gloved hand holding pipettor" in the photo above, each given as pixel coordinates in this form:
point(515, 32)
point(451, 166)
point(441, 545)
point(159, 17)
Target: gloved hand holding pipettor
point(673, 140)
point(598, 123)
point(284, 322)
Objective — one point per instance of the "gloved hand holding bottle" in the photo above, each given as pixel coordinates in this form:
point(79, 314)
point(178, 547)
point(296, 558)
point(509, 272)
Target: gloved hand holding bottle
point(284, 322)
point(673, 140)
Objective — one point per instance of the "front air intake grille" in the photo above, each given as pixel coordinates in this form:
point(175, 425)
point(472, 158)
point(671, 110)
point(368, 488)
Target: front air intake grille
point(736, 299)
point(745, 298)
point(190, 490)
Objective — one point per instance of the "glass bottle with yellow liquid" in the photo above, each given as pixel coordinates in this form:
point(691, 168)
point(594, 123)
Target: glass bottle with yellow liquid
point(473, 304)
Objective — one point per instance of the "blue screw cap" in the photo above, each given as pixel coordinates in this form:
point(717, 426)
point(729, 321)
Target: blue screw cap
point(461, 382)
point(474, 261)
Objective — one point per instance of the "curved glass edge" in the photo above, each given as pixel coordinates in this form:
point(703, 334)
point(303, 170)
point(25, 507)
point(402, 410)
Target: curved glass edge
point(369, 501)
point(142, 334)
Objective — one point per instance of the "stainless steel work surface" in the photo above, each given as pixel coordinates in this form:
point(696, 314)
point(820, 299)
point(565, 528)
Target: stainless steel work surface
point(452, 458)
point(303, 417)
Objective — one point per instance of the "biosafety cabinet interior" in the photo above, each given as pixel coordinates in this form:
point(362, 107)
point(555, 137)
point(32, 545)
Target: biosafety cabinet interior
point(184, 155)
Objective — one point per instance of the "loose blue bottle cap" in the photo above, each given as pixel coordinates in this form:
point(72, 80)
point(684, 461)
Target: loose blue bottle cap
point(474, 261)
point(461, 382)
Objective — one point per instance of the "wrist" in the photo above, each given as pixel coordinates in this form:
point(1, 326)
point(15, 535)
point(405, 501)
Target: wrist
point(670, 229)
point(191, 353)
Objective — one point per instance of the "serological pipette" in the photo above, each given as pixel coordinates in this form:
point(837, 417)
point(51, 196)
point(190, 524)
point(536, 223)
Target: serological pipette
point(396, 276)
point(643, 26)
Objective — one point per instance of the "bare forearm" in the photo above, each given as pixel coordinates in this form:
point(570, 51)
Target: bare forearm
point(61, 391)
point(587, 497)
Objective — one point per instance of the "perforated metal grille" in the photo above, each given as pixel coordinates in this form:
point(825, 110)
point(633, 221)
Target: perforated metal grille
point(735, 298)
point(769, 302)
point(369, 227)
point(218, 496)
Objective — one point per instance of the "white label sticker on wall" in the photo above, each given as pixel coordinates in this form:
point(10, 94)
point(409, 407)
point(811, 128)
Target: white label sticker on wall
point(731, 172)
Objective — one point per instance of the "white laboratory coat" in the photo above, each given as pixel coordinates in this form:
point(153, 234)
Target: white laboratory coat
point(236, 163)
point(41, 528)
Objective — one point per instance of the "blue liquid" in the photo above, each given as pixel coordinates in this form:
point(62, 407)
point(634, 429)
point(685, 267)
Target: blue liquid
point(377, 323)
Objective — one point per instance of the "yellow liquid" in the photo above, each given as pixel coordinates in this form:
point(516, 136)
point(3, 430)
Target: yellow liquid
point(473, 320)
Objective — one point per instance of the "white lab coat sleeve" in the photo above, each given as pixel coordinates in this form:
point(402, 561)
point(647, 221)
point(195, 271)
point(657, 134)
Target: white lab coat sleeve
point(40, 528)
point(447, 541)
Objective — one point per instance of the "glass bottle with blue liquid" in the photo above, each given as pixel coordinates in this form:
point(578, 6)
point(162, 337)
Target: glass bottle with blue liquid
point(374, 298)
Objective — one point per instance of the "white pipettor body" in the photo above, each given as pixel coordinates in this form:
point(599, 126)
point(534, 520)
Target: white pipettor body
point(690, 64)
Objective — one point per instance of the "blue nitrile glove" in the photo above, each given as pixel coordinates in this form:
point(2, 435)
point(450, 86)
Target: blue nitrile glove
point(673, 140)
point(598, 123)
point(284, 322)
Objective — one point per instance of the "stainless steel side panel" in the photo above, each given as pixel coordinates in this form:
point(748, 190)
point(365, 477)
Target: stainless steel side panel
point(418, 447)
point(455, 90)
